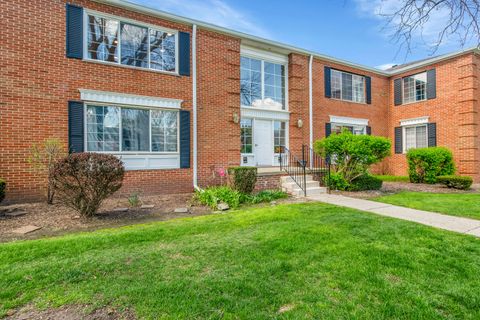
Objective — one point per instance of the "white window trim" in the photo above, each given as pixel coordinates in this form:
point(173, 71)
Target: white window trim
point(266, 56)
point(349, 121)
point(116, 98)
point(403, 89)
point(341, 88)
point(87, 12)
point(409, 123)
point(414, 121)
point(120, 153)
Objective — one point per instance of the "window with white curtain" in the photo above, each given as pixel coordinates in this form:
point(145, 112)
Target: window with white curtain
point(122, 129)
point(415, 137)
point(347, 86)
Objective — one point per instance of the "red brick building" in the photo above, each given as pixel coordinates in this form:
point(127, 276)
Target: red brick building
point(178, 99)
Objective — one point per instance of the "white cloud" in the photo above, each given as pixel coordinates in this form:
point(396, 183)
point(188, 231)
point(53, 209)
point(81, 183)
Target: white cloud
point(217, 12)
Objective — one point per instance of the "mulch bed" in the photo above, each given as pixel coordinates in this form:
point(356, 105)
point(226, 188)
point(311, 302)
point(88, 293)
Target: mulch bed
point(389, 188)
point(56, 219)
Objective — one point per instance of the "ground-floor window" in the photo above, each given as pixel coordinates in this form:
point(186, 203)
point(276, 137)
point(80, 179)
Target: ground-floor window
point(126, 129)
point(246, 139)
point(279, 136)
point(415, 137)
point(355, 129)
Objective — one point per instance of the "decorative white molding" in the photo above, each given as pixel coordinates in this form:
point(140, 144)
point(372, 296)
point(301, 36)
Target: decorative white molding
point(347, 120)
point(257, 113)
point(129, 99)
point(263, 54)
point(414, 121)
point(150, 161)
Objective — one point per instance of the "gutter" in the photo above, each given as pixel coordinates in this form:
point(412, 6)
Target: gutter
point(310, 105)
point(194, 106)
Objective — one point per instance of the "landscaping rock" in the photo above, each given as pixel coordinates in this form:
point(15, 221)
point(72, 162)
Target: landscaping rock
point(223, 206)
point(273, 203)
point(181, 210)
point(120, 210)
point(147, 206)
point(26, 229)
point(16, 212)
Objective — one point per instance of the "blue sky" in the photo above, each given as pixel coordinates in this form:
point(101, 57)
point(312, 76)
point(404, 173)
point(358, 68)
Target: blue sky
point(346, 29)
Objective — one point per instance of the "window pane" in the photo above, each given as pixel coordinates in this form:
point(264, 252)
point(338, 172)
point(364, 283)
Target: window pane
point(164, 131)
point(347, 86)
point(103, 128)
point(102, 39)
point(162, 50)
point(421, 138)
point(134, 45)
point(135, 130)
point(274, 77)
point(410, 141)
point(246, 136)
point(251, 78)
point(279, 129)
point(336, 83)
point(358, 88)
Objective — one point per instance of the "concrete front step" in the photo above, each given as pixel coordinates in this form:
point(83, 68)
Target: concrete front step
point(312, 186)
point(310, 191)
point(288, 179)
point(295, 186)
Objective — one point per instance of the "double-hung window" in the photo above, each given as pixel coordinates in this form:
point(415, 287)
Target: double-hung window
point(355, 129)
point(112, 40)
point(415, 137)
point(118, 129)
point(415, 88)
point(262, 83)
point(347, 86)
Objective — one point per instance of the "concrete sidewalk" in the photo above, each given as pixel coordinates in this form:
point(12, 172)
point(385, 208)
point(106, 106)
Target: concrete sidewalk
point(437, 220)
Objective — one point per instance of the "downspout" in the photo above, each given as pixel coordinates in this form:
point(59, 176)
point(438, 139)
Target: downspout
point(194, 102)
point(310, 105)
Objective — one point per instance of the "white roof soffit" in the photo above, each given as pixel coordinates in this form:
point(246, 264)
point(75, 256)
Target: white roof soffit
point(274, 45)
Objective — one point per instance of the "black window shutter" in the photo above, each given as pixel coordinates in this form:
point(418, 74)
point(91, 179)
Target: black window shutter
point(75, 127)
point(397, 89)
point(328, 86)
point(184, 53)
point(74, 32)
point(369, 130)
point(432, 134)
point(431, 84)
point(368, 88)
point(184, 139)
point(328, 129)
point(398, 140)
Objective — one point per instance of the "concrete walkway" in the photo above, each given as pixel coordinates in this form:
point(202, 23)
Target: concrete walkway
point(437, 220)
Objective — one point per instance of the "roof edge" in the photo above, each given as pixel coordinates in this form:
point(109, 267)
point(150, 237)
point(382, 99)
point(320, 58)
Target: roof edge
point(184, 20)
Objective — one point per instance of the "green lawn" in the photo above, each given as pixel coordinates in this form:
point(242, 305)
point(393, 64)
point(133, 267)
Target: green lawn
point(387, 178)
point(460, 204)
point(323, 261)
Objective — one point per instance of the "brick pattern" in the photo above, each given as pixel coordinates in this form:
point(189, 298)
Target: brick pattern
point(268, 182)
point(37, 81)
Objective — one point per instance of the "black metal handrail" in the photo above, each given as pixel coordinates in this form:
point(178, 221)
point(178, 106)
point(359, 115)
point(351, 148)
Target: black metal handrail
point(317, 166)
point(294, 167)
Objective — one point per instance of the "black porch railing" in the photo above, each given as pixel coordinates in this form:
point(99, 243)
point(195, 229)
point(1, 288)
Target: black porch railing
point(309, 163)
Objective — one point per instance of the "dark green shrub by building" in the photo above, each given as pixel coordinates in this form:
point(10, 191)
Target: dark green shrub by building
point(426, 164)
point(3, 186)
point(365, 182)
point(456, 182)
point(352, 156)
point(243, 179)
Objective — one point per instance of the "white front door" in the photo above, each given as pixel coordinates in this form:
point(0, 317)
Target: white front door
point(263, 139)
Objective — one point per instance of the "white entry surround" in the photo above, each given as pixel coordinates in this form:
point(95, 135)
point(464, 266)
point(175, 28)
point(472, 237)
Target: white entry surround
point(264, 113)
point(135, 160)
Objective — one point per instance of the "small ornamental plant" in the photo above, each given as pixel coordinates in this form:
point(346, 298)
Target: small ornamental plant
point(426, 164)
point(84, 180)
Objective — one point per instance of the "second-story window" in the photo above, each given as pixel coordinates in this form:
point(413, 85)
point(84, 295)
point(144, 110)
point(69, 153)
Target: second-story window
point(415, 88)
point(262, 83)
point(114, 41)
point(347, 86)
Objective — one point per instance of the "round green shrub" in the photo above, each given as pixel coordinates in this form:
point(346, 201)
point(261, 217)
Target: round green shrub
point(243, 179)
point(456, 182)
point(365, 182)
point(336, 181)
point(426, 164)
point(3, 186)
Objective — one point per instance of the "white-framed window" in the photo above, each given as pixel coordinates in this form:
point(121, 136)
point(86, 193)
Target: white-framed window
point(262, 82)
point(279, 136)
point(114, 40)
point(355, 129)
point(415, 88)
point(246, 136)
point(415, 137)
point(347, 86)
point(126, 130)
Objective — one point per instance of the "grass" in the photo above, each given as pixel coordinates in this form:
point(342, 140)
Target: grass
point(388, 178)
point(321, 261)
point(459, 204)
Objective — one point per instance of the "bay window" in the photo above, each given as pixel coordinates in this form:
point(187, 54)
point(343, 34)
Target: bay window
point(262, 83)
point(124, 129)
point(111, 40)
point(347, 86)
